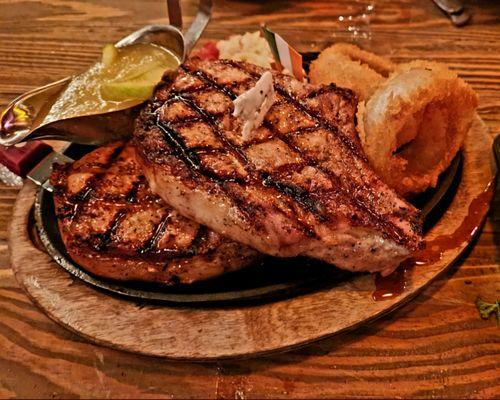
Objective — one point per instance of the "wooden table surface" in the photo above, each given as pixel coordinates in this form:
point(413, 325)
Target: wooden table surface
point(436, 346)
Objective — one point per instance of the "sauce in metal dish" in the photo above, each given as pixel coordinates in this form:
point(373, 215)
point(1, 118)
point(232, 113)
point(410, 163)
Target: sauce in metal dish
point(393, 285)
point(124, 77)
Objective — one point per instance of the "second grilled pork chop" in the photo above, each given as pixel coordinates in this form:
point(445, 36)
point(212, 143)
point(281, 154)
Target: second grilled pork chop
point(300, 186)
point(115, 227)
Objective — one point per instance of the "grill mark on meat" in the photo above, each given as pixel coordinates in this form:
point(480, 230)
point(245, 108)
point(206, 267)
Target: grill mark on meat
point(211, 121)
point(321, 122)
point(107, 236)
point(181, 96)
point(275, 134)
point(189, 120)
point(348, 94)
point(158, 232)
point(189, 154)
point(178, 145)
point(306, 110)
point(207, 80)
point(191, 250)
point(131, 196)
point(380, 220)
point(200, 238)
point(84, 194)
point(300, 195)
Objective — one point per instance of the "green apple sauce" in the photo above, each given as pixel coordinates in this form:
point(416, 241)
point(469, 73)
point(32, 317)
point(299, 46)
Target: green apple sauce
point(124, 77)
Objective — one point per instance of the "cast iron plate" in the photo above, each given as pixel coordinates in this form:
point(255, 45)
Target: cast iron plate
point(271, 279)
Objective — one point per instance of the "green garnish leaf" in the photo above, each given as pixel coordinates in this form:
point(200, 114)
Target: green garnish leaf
point(486, 309)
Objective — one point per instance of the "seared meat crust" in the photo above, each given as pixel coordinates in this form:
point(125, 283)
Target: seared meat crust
point(115, 227)
point(300, 186)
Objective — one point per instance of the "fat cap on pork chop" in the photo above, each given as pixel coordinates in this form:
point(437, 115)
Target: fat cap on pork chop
point(300, 186)
point(114, 227)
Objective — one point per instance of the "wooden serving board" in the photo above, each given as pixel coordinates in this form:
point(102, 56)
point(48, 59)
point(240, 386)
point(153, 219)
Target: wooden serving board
point(209, 333)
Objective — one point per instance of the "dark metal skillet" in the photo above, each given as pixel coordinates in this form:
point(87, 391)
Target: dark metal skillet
point(269, 280)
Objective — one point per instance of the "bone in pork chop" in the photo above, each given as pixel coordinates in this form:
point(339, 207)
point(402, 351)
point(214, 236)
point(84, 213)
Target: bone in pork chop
point(300, 186)
point(113, 225)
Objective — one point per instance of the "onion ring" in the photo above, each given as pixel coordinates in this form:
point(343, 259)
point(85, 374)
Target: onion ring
point(415, 123)
point(348, 66)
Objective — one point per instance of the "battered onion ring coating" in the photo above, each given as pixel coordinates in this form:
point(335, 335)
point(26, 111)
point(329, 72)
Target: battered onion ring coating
point(414, 124)
point(348, 66)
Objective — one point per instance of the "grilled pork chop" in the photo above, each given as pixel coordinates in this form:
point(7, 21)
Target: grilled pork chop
point(300, 186)
point(115, 227)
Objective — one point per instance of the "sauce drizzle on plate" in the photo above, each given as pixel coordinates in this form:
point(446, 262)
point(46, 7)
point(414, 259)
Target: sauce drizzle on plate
point(393, 285)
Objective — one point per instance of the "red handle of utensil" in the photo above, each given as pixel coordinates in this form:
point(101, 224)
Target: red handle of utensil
point(21, 159)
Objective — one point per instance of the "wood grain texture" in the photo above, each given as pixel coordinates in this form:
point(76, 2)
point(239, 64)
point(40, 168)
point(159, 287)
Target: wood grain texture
point(436, 346)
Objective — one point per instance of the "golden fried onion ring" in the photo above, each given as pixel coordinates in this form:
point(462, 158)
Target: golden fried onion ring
point(348, 66)
point(414, 124)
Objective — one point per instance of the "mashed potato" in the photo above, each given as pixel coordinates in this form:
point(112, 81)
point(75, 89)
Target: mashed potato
point(249, 47)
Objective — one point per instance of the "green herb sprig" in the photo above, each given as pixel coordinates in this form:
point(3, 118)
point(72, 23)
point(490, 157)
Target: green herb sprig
point(486, 309)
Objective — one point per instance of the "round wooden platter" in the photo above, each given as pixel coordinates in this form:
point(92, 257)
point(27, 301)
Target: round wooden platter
point(209, 333)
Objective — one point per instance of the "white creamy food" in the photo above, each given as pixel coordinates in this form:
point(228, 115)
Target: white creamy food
point(252, 106)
